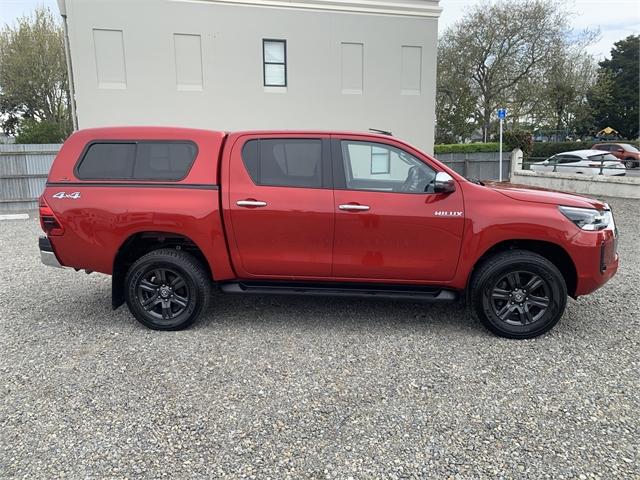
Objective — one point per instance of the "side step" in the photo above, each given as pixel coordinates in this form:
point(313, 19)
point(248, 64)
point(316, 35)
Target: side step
point(396, 292)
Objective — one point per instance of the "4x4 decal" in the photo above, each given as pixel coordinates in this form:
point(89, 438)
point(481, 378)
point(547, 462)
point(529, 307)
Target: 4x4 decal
point(74, 195)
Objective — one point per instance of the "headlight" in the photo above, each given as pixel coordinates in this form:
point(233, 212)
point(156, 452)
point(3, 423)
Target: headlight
point(588, 218)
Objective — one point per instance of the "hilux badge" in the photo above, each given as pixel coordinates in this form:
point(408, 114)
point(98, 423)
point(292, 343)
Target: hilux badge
point(447, 213)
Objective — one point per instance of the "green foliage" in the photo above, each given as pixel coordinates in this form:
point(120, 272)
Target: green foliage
point(547, 149)
point(32, 131)
point(564, 96)
point(467, 148)
point(33, 73)
point(521, 139)
point(538, 149)
point(455, 102)
point(615, 98)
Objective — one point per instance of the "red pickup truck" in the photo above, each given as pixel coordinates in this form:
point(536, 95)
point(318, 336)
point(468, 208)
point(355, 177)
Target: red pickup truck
point(171, 212)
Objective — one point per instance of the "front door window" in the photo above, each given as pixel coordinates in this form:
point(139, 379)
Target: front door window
point(379, 167)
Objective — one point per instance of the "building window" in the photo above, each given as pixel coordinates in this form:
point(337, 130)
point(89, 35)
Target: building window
point(380, 161)
point(274, 54)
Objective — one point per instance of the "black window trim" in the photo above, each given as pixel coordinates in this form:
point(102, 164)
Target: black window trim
point(339, 174)
point(326, 171)
point(265, 63)
point(135, 142)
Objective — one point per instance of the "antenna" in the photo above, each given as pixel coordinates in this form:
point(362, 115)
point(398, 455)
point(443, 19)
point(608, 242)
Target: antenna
point(383, 132)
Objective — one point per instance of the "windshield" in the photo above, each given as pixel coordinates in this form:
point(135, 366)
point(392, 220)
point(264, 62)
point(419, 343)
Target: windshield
point(629, 148)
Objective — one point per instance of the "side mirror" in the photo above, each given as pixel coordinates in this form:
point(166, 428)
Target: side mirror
point(620, 150)
point(444, 183)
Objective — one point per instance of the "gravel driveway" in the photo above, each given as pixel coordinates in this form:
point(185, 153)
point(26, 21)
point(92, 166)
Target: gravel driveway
point(291, 387)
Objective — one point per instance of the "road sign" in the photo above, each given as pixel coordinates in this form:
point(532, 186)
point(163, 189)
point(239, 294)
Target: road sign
point(502, 113)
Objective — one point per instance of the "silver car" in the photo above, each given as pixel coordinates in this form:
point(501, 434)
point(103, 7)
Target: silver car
point(587, 162)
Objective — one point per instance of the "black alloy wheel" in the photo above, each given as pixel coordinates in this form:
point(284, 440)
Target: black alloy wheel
point(517, 294)
point(167, 289)
point(520, 298)
point(163, 293)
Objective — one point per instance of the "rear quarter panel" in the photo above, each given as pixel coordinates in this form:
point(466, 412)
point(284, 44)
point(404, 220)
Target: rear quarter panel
point(103, 218)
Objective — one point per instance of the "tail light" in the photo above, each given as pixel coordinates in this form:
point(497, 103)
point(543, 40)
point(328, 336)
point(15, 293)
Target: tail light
point(48, 221)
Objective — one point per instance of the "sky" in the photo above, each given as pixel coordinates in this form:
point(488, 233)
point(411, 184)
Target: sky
point(615, 19)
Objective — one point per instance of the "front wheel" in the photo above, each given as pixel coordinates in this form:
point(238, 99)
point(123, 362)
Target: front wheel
point(629, 163)
point(167, 289)
point(518, 294)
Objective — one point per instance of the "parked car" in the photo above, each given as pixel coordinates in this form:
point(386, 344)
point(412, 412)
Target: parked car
point(625, 152)
point(588, 162)
point(171, 212)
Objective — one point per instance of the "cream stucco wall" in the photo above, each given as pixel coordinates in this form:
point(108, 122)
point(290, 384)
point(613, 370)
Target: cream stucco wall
point(199, 64)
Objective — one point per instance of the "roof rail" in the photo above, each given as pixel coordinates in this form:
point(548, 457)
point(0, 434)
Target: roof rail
point(383, 132)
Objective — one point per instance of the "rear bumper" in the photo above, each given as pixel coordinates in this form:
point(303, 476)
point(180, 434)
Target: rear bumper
point(47, 255)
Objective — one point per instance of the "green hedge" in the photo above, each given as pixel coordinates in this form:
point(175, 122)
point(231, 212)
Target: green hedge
point(540, 149)
point(466, 148)
point(546, 149)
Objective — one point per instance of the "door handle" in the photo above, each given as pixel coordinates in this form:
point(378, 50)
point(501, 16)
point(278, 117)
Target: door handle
point(353, 208)
point(251, 203)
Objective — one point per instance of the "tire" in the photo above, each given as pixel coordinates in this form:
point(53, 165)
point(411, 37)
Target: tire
point(629, 163)
point(518, 294)
point(167, 289)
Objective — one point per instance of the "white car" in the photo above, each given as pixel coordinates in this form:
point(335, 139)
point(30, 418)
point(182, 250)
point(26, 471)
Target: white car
point(587, 162)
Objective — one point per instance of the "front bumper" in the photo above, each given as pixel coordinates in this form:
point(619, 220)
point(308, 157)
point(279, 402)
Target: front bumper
point(596, 259)
point(47, 255)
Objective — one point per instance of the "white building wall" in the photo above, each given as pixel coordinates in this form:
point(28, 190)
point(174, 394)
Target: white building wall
point(351, 65)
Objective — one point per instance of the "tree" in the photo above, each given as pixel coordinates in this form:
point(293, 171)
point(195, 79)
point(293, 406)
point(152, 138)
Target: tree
point(32, 131)
point(33, 74)
point(501, 52)
point(570, 74)
point(455, 105)
point(616, 97)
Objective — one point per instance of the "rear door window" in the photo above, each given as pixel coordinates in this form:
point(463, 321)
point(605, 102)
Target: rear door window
point(605, 157)
point(568, 159)
point(139, 160)
point(284, 162)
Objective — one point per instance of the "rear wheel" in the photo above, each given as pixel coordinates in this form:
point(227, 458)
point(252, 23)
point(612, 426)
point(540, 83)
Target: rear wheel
point(518, 294)
point(167, 289)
